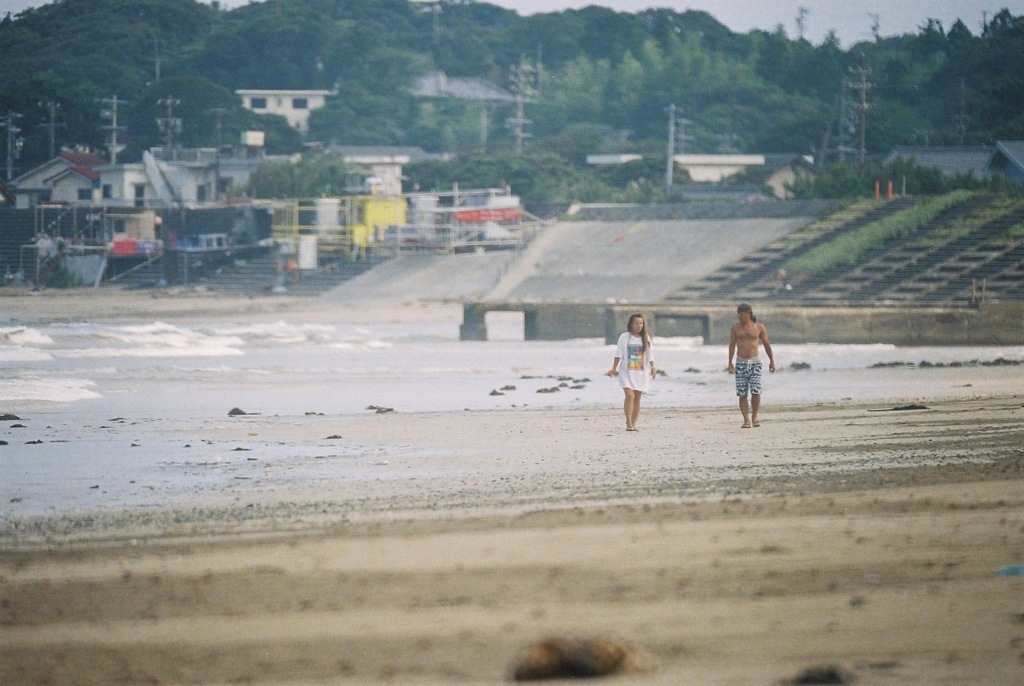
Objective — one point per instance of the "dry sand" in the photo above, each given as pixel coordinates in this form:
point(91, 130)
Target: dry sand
point(833, 536)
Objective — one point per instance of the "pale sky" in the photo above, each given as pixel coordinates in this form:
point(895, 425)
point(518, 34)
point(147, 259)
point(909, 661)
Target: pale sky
point(852, 20)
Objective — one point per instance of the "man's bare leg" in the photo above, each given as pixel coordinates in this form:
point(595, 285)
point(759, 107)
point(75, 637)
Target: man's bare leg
point(755, 405)
point(745, 411)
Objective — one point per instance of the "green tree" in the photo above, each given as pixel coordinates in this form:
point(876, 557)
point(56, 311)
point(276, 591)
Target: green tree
point(314, 176)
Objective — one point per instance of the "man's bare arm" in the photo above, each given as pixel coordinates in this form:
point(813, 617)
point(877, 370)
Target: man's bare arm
point(767, 348)
point(732, 348)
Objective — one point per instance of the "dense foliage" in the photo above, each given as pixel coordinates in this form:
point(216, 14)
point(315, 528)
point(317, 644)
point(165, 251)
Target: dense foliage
point(605, 80)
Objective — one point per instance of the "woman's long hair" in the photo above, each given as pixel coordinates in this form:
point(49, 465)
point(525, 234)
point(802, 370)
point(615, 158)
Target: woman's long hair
point(644, 336)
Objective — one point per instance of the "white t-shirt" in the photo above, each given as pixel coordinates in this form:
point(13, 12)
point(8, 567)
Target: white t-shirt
point(634, 365)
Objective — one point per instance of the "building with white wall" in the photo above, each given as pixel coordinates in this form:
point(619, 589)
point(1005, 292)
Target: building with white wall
point(293, 105)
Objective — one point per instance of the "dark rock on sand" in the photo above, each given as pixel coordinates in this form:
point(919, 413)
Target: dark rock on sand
point(568, 658)
point(828, 674)
point(902, 408)
point(557, 658)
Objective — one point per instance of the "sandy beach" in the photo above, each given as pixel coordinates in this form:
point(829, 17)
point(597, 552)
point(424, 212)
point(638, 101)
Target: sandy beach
point(840, 542)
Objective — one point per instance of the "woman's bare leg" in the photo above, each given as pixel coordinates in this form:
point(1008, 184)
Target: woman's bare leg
point(631, 407)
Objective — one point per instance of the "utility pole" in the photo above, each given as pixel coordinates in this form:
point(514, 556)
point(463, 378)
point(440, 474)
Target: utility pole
point(801, 21)
point(111, 114)
point(52, 106)
point(676, 135)
point(169, 125)
point(540, 69)
point(862, 85)
point(876, 26)
point(961, 123)
point(670, 162)
point(218, 112)
point(483, 127)
point(521, 77)
point(14, 142)
point(156, 59)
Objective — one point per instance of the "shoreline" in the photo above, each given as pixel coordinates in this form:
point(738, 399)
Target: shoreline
point(434, 547)
point(440, 466)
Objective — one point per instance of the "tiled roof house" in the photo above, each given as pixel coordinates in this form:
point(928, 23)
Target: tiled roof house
point(68, 177)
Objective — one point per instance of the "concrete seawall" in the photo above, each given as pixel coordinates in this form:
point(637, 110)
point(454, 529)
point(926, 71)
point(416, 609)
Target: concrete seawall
point(988, 324)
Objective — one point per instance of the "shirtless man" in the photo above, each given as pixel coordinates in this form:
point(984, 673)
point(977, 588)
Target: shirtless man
point(744, 341)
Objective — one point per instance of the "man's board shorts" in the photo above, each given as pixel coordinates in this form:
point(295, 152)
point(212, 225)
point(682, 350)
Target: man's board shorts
point(748, 376)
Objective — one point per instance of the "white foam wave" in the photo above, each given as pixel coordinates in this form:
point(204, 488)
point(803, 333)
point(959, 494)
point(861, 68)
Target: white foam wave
point(23, 335)
point(50, 390)
point(373, 344)
point(278, 332)
point(19, 354)
point(154, 340)
point(208, 349)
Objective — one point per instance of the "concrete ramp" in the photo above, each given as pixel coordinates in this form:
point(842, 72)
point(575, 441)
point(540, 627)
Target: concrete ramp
point(425, 277)
point(640, 261)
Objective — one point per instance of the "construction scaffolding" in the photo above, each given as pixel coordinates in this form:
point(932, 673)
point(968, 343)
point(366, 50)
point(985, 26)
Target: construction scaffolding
point(350, 228)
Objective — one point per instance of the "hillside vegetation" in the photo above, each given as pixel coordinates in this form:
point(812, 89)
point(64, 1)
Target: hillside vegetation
point(603, 81)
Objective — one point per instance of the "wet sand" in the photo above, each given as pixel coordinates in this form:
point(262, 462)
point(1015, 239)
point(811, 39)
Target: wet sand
point(857, 539)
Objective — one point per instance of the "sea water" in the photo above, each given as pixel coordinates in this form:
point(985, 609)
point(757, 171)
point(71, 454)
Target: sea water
point(198, 370)
point(96, 399)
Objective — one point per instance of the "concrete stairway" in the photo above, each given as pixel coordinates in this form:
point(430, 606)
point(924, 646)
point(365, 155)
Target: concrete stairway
point(972, 251)
point(951, 273)
point(755, 277)
point(894, 262)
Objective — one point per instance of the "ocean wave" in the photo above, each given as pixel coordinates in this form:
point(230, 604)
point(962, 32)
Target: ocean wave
point(372, 344)
point(65, 390)
point(205, 349)
point(154, 339)
point(23, 335)
point(19, 354)
point(280, 333)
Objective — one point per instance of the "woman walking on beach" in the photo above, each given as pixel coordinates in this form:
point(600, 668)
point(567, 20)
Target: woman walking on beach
point(632, 356)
